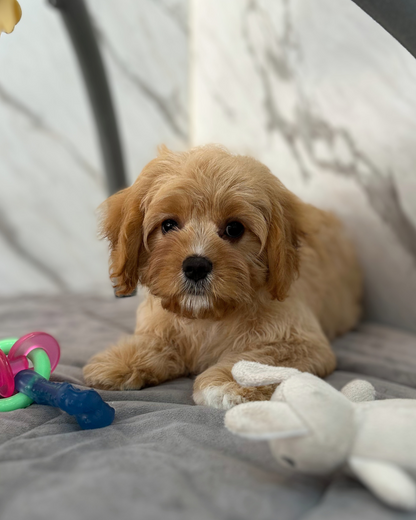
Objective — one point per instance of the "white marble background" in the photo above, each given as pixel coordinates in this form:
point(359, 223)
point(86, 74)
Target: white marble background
point(327, 99)
point(51, 178)
point(316, 90)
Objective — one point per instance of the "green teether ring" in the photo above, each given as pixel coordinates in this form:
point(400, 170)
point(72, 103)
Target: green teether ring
point(41, 365)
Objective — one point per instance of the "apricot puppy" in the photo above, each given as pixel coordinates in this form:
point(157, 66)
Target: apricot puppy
point(236, 266)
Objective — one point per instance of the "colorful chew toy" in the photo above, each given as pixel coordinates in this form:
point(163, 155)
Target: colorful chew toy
point(43, 351)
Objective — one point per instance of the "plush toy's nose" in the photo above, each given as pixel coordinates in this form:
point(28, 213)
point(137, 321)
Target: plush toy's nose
point(196, 268)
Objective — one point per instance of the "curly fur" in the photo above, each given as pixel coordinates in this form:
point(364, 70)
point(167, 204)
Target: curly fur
point(277, 295)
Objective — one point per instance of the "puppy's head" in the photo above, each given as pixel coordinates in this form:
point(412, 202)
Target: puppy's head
point(204, 231)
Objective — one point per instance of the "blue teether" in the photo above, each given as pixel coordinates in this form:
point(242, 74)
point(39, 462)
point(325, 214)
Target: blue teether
point(89, 409)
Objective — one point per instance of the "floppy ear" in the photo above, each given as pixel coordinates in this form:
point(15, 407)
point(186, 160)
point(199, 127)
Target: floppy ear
point(264, 420)
point(122, 225)
point(250, 373)
point(283, 241)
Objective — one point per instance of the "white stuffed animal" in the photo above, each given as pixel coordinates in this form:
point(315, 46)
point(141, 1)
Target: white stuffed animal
point(313, 428)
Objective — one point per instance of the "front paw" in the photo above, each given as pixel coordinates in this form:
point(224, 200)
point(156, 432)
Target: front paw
point(110, 370)
point(227, 395)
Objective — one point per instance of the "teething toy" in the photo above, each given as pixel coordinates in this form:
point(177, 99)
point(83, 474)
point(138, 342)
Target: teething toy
point(89, 409)
point(43, 351)
point(18, 351)
point(41, 364)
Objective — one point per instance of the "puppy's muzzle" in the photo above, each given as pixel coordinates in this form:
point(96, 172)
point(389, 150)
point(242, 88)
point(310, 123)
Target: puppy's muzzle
point(196, 268)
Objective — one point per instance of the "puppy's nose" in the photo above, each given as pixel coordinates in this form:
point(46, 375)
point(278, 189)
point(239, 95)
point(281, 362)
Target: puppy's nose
point(196, 267)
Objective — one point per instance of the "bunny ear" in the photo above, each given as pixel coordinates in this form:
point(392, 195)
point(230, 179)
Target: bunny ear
point(264, 420)
point(387, 481)
point(249, 373)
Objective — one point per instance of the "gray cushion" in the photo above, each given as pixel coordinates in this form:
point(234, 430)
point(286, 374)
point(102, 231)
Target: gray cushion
point(164, 457)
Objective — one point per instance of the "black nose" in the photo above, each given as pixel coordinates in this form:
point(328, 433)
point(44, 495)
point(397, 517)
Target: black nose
point(196, 267)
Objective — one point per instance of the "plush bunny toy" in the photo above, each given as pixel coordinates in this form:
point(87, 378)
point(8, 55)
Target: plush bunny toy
point(313, 428)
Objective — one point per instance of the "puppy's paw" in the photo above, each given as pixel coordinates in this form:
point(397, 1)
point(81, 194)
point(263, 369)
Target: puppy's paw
point(111, 371)
point(227, 395)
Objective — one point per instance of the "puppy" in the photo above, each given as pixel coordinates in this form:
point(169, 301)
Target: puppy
point(236, 266)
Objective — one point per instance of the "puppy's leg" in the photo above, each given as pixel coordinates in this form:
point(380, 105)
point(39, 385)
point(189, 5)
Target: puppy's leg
point(216, 386)
point(136, 361)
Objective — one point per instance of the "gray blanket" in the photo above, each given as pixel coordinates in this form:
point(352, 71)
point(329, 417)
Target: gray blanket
point(164, 457)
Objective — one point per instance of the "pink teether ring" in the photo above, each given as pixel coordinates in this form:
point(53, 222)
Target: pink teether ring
point(33, 340)
point(6, 376)
point(17, 364)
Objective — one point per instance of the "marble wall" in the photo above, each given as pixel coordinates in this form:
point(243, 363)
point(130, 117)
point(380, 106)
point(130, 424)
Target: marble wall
point(51, 178)
point(326, 98)
point(316, 90)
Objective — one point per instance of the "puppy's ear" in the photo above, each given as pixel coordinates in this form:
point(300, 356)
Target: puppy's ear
point(122, 225)
point(283, 242)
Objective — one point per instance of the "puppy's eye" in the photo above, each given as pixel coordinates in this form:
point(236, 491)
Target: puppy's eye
point(168, 225)
point(234, 230)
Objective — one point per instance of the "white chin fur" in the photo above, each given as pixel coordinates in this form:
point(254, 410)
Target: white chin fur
point(217, 397)
point(195, 303)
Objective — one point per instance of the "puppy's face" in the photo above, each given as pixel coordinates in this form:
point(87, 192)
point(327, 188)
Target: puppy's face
point(204, 231)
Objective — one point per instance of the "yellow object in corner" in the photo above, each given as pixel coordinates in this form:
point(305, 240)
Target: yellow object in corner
point(10, 14)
